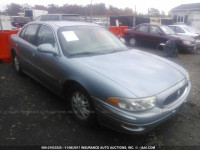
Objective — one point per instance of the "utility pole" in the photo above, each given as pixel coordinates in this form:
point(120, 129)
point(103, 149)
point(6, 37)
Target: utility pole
point(135, 10)
point(91, 9)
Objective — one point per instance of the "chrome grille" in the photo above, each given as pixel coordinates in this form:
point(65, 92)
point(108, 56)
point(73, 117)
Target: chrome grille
point(171, 99)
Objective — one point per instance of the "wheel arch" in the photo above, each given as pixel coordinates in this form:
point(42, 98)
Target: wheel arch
point(13, 52)
point(68, 86)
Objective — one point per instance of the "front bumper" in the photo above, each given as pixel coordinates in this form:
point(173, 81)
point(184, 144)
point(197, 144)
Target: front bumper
point(140, 122)
point(190, 48)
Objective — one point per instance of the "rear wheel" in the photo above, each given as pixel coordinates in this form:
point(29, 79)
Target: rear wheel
point(16, 65)
point(132, 42)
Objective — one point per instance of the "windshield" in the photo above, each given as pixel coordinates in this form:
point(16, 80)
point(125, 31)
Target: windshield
point(190, 29)
point(167, 30)
point(87, 40)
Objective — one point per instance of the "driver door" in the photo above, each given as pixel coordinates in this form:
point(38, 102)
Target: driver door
point(47, 63)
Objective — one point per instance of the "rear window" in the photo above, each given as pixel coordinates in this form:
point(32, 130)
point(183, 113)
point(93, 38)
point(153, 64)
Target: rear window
point(50, 17)
point(70, 17)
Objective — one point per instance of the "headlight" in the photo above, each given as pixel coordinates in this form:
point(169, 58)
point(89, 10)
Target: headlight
point(187, 42)
point(188, 76)
point(133, 104)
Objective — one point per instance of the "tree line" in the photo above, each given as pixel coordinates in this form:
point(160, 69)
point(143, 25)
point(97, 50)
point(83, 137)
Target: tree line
point(100, 9)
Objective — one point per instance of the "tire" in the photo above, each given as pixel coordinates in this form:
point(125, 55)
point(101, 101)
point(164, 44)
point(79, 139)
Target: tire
point(132, 41)
point(16, 65)
point(195, 51)
point(170, 49)
point(82, 107)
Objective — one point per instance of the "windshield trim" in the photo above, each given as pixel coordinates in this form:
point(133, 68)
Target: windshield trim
point(96, 53)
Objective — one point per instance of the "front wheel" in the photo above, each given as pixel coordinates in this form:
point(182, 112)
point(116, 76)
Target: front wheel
point(82, 107)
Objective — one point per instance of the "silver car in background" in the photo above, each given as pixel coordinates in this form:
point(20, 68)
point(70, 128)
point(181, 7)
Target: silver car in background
point(124, 89)
point(185, 30)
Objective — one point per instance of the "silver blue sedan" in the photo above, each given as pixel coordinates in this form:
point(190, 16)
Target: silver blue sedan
point(101, 79)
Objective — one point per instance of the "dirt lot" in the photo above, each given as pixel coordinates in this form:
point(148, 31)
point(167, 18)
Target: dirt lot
point(32, 115)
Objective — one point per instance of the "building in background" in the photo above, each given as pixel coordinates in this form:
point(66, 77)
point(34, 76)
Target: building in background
point(135, 20)
point(34, 13)
point(188, 14)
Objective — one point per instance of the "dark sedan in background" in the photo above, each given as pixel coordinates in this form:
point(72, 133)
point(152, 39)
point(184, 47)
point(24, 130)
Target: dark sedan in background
point(185, 30)
point(18, 22)
point(159, 34)
point(101, 79)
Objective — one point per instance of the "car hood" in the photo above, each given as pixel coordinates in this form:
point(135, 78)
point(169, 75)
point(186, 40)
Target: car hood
point(183, 37)
point(139, 72)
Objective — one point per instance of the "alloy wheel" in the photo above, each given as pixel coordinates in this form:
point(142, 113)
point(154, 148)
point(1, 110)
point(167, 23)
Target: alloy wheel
point(80, 105)
point(132, 41)
point(16, 64)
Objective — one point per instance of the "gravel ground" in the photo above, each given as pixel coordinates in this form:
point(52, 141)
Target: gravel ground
point(32, 115)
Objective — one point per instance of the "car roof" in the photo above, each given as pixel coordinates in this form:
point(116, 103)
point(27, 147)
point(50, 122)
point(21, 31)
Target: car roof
point(151, 24)
point(179, 25)
point(58, 24)
point(19, 16)
point(60, 15)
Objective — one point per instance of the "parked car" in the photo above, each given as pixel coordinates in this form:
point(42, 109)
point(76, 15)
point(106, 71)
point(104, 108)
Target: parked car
point(18, 22)
point(59, 17)
point(159, 34)
point(185, 30)
point(127, 90)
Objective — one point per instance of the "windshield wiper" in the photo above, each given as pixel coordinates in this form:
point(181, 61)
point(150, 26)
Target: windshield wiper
point(97, 53)
point(84, 53)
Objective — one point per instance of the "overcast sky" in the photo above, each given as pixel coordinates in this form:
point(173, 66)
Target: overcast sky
point(141, 5)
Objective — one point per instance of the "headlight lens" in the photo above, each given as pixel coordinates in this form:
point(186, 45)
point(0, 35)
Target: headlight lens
point(133, 104)
point(187, 42)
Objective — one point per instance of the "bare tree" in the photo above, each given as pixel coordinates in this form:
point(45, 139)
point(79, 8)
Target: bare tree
point(13, 9)
point(40, 7)
point(98, 9)
point(153, 12)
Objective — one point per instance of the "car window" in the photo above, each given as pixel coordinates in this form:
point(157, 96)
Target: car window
point(44, 36)
point(167, 30)
point(179, 30)
point(142, 28)
point(173, 28)
point(50, 17)
point(154, 30)
point(70, 17)
point(22, 33)
point(30, 32)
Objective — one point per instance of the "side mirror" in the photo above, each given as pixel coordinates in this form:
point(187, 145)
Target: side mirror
point(47, 48)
